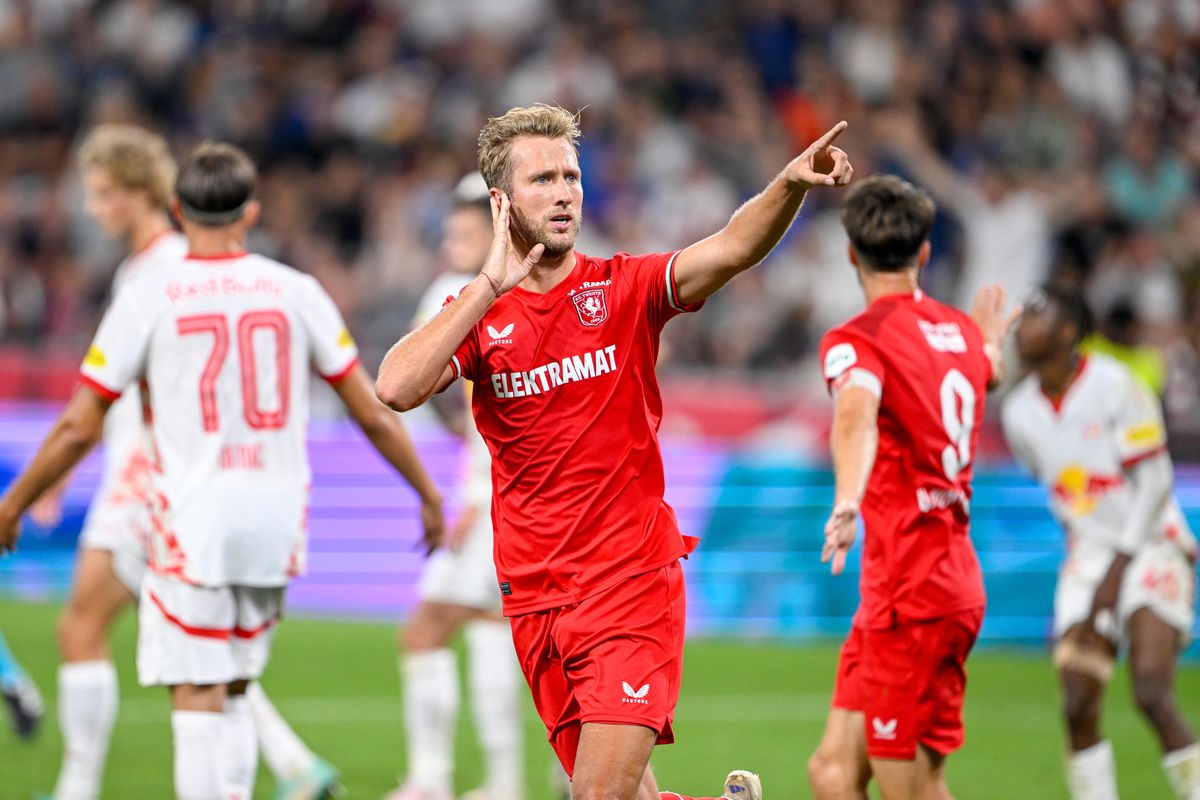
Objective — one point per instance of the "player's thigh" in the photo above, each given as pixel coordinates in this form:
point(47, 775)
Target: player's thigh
point(1154, 645)
point(611, 761)
point(1161, 580)
point(432, 625)
point(97, 597)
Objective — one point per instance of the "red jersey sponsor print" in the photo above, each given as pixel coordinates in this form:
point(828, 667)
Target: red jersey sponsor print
point(926, 362)
point(568, 402)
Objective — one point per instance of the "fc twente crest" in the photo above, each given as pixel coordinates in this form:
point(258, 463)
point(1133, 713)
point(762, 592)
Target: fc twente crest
point(591, 307)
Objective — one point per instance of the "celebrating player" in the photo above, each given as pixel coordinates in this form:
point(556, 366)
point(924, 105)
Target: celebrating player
point(128, 176)
point(908, 377)
point(222, 342)
point(458, 585)
point(562, 347)
point(1094, 437)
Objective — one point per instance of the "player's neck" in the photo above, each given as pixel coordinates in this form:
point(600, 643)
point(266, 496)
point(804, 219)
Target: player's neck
point(1057, 373)
point(548, 272)
point(214, 242)
point(145, 230)
point(878, 285)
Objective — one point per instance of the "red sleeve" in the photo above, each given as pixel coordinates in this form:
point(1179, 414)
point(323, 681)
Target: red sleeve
point(849, 359)
point(656, 278)
point(465, 361)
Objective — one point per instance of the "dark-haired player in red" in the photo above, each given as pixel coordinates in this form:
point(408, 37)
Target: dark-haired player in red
point(562, 348)
point(909, 376)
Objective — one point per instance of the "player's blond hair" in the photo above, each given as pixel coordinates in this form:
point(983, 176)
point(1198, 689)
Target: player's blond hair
point(497, 136)
point(134, 157)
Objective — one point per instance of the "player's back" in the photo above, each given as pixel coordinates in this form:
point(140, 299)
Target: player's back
point(225, 347)
point(926, 362)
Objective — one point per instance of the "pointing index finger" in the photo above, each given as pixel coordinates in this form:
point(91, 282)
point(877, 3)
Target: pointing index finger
point(830, 136)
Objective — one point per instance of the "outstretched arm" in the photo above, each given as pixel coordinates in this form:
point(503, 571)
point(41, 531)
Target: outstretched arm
point(761, 222)
point(415, 368)
point(852, 442)
point(390, 438)
point(75, 432)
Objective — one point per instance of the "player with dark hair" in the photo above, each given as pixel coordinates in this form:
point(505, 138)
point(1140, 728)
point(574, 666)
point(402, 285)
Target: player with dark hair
point(908, 376)
point(562, 350)
point(222, 343)
point(1094, 436)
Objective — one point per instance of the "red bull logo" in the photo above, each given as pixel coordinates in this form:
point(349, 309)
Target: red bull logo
point(1080, 491)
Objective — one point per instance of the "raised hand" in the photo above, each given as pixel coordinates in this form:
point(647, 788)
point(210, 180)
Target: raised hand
point(840, 531)
point(502, 268)
point(822, 164)
point(989, 314)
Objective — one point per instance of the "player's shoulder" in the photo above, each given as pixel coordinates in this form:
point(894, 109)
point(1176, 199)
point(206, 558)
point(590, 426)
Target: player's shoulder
point(1020, 400)
point(1105, 371)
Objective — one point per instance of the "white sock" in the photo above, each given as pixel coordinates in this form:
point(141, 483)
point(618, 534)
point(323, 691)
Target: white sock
point(285, 753)
point(495, 680)
point(239, 749)
point(87, 708)
point(1092, 774)
point(430, 713)
point(1183, 771)
point(198, 751)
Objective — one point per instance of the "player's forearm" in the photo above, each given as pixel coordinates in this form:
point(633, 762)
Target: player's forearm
point(749, 237)
point(852, 443)
point(73, 436)
point(411, 369)
point(390, 439)
point(1151, 481)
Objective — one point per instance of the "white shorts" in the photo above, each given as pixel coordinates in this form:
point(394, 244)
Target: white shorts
point(464, 577)
point(122, 528)
point(204, 635)
point(1160, 577)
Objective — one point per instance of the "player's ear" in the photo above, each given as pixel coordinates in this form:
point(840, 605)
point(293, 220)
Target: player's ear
point(251, 213)
point(923, 254)
point(853, 254)
point(177, 211)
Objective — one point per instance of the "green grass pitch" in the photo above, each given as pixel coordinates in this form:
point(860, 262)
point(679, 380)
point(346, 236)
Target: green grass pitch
point(757, 705)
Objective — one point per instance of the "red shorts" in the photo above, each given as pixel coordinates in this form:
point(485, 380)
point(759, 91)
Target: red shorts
point(909, 681)
point(616, 657)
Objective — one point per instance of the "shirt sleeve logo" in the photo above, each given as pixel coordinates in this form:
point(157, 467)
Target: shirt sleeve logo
point(591, 307)
point(95, 357)
point(840, 358)
point(345, 339)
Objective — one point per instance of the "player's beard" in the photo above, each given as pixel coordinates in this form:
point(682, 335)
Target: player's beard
point(556, 244)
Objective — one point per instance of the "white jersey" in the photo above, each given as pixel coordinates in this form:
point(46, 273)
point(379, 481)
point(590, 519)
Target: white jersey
point(224, 346)
point(1081, 447)
point(124, 431)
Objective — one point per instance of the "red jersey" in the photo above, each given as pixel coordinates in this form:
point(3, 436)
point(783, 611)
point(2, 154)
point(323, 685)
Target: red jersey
point(926, 362)
point(568, 402)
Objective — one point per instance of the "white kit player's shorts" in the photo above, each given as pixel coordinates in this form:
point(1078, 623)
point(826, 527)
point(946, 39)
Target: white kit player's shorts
point(204, 635)
point(464, 577)
point(122, 527)
point(1160, 577)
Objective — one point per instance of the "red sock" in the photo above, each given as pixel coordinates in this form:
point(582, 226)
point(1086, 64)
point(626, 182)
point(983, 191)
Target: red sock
point(677, 796)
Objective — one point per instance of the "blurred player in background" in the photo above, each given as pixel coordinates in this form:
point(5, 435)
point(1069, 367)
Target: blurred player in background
point(128, 181)
point(562, 348)
point(20, 694)
point(222, 342)
point(1094, 436)
point(458, 586)
point(908, 376)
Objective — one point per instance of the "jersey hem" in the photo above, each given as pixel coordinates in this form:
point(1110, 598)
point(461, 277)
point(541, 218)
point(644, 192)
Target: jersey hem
point(98, 387)
point(340, 376)
point(896, 617)
point(571, 599)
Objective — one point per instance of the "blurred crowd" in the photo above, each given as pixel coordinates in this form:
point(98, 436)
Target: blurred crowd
point(1061, 139)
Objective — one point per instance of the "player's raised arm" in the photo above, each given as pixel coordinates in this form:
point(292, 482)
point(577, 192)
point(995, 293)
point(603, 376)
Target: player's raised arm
point(756, 227)
point(852, 444)
point(390, 438)
point(416, 367)
point(75, 433)
point(994, 322)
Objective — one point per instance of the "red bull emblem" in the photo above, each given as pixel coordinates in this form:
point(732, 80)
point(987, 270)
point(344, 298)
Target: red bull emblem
point(1080, 491)
point(591, 307)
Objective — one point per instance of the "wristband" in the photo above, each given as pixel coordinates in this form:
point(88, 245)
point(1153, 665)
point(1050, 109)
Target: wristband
point(491, 283)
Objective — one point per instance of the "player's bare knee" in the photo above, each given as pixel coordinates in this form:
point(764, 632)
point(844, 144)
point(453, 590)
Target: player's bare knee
point(606, 788)
point(79, 637)
point(1152, 695)
point(827, 776)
